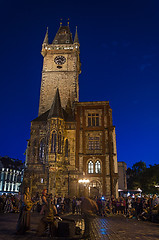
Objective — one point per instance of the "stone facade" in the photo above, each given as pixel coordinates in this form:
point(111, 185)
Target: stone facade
point(122, 181)
point(63, 76)
point(70, 140)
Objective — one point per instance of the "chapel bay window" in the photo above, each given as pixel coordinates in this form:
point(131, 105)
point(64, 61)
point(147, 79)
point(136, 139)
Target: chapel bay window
point(59, 143)
point(90, 167)
point(56, 142)
point(53, 142)
point(93, 119)
point(97, 167)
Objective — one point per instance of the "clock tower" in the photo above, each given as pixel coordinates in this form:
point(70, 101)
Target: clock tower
point(70, 140)
point(61, 69)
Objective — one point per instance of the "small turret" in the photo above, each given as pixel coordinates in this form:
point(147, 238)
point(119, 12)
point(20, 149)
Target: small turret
point(46, 39)
point(45, 43)
point(76, 39)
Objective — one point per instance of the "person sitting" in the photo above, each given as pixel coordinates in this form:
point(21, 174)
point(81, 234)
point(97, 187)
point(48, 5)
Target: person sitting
point(89, 210)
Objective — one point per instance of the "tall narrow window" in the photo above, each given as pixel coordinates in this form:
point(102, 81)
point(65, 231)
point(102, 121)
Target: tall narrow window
point(66, 148)
point(97, 167)
point(53, 142)
point(90, 167)
point(42, 149)
point(59, 143)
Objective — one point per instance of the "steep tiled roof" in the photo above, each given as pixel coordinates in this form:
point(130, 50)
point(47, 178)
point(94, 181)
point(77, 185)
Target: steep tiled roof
point(63, 36)
point(7, 162)
point(42, 117)
point(56, 109)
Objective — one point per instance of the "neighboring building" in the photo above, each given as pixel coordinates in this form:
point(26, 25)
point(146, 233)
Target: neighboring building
point(70, 140)
point(122, 181)
point(11, 175)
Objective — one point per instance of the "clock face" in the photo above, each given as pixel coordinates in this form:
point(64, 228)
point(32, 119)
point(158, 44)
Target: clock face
point(60, 60)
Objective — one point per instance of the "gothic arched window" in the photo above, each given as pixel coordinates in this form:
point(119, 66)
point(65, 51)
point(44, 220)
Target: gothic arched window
point(97, 167)
point(66, 148)
point(53, 142)
point(42, 149)
point(59, 142)
point(90, 167)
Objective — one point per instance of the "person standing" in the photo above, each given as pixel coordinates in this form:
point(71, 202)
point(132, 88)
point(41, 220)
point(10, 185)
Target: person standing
point(23, 223)
point(44, 201)
point(89, 210)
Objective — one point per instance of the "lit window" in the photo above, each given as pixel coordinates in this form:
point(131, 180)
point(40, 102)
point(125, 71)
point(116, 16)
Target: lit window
point(93, 120)
point(97, 167)
point(42, 180)
point(90, 167)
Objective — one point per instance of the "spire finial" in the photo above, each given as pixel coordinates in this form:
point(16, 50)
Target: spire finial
point(68, 21)
point(60, 22)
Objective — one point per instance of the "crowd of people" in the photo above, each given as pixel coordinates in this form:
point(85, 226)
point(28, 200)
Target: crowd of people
point(141, 208)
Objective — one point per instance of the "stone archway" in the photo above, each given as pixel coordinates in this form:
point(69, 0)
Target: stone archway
point(93, 192)
point(94, 188)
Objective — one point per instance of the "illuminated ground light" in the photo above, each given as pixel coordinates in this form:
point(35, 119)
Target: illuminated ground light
point(103, 231)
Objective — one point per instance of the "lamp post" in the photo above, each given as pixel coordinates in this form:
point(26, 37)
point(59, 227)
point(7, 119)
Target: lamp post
point(84, 181)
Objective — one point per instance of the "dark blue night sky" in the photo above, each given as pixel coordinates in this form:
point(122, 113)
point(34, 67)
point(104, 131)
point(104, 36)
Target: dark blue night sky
point(119, 42)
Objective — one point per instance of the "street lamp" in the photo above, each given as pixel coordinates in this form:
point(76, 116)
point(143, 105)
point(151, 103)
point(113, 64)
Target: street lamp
point(84, 181)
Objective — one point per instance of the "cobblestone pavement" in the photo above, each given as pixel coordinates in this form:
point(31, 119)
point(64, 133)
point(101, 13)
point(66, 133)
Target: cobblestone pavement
point(119, 227)
point(112, 228)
